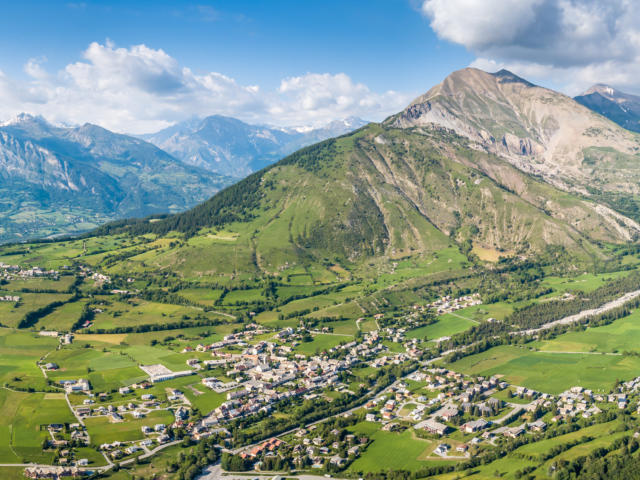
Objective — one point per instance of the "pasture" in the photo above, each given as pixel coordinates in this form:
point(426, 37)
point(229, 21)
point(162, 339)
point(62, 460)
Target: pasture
point(390, 450)
point(22, 420)
point(102, 431)
point(11, 313)
point(446, 325)
point(321, 343)
point(134, 312)
point(63, 317)
point(106, 370)
point(619, 336)
point(19, 353)
point(550, 372)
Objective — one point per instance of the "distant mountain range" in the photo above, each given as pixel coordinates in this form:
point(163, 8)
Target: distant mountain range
point(622, 108)
point(62, 180)
point(234, 148)
point(56, 180)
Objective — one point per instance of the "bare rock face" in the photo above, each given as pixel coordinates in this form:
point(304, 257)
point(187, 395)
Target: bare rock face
point(536, 129)
point(521, 146)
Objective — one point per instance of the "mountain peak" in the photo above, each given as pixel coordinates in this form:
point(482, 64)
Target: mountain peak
point(505, 76)
point(620, 107)
point(606, 91)
point(25, 119)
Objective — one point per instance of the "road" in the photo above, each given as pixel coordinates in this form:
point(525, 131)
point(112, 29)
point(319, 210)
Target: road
point(517, 408)
point(151, 452)
point(215, 472)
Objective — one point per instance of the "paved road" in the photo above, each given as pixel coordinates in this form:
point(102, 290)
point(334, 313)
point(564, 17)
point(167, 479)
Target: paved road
point(151, 452)
point(215, 472)
point(517, 408)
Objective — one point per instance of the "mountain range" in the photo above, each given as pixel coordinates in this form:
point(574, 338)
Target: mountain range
point(234, 148)
point(57, 180)
point(622, 108)
point(484, 161)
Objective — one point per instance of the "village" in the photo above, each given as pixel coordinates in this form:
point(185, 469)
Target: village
point(260, 371)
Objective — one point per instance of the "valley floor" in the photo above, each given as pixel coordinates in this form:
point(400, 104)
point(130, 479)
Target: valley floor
point(428, 366)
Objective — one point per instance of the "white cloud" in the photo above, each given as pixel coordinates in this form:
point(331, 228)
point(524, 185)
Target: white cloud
point(141, 89)
point(329, 96)
point(572, 43)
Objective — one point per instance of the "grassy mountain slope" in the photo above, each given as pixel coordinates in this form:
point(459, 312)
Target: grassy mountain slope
point(383, 193)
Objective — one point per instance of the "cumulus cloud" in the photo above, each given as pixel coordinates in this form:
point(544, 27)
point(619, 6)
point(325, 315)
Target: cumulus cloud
point(141, 89)
point(571, 42)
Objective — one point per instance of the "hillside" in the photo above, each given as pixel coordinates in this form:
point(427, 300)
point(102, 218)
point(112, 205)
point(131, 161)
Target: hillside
point(63, 180)
point(389, 193)
point(539, 131)
point(620, 107)
point(234, 148)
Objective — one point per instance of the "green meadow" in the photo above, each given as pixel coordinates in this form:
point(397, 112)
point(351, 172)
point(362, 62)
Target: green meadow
point(444, 326)
point(23, 418)
point(619, 336)
point(321, 343)
point(103, 431)
point(11, 313)
point(393, 451)
point(550, 372)
point(19, 354)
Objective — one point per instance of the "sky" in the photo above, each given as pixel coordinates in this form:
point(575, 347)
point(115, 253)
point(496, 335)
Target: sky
point(137, 66)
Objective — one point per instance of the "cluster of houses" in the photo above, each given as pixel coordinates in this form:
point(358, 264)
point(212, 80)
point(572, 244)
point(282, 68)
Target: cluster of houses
point(311, 448)
point(54, 472)
point(81, 385)
point(78, 435)
point(65, 338)
point(100, 278)
point(448, 304)
point(265, 374)
point(16, 271)
point(10, 298)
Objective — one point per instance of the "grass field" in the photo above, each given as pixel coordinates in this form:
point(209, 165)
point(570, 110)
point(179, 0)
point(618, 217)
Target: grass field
point(41, 284)
point(105, 370)
point(550, 372)
point(207, 401)
point(586, 282)
point(102, 431)
point(321, 343)
point(63, 317)
point(389, 451)
point(537, 449)
point(19, 352)
point(445, 326)
point(11, 313)
point(619, 336)
point(21, 417)
point(141, 312)
point(204, 296)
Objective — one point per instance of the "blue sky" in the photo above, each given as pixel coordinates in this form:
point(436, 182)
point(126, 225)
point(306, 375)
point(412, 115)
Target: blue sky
point(386, 43)
point(137, 66)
